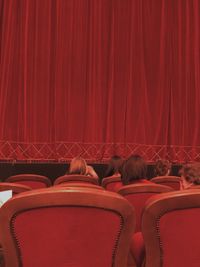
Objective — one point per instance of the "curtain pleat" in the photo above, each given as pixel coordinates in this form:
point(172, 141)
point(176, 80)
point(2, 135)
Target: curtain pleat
point(96, 78)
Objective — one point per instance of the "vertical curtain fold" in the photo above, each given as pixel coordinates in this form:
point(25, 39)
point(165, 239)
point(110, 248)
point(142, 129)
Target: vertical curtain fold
point(97, 78)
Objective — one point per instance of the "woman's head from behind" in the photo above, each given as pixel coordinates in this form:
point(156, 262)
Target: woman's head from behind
point(78, 166)
point(134, 169)
point(190, 174)
point(162, 167)
point(114, 165)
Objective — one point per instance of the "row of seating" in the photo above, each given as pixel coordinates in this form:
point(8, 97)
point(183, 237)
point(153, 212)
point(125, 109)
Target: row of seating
point(36, 181)
point(74, 226)
point(136, 194)
point(112, 183)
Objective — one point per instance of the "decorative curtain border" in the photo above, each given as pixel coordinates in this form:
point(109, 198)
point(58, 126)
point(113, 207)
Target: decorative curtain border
point(93, 152)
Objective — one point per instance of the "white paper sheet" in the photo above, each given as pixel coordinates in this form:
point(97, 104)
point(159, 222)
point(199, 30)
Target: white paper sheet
point(5, 196)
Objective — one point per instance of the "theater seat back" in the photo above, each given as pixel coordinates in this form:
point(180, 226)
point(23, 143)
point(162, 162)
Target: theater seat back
point(34, 181)
point(138, 194)
point(76, 179)
point(170, 228)
point(173, 181)
point(112, 183)
point(80, 184)
point(79, 227)
point(16, 188)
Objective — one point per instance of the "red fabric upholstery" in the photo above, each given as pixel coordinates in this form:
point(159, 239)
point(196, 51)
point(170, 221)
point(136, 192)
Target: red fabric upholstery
point(76, 178)
point(138, 193)
point(141, 181)
point(34, 181)
point(170, 227)
point(172, 181)
point(137, 248)
point(138, 201)
point(112, 183)
point(73, 236)
point(180, 238)
point(54, 227)
point(114, 186)
point(79, 184)
point(175, 186)
point(33, 184)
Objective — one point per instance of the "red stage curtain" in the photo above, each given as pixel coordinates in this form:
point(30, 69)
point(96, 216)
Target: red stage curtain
point(99, 77)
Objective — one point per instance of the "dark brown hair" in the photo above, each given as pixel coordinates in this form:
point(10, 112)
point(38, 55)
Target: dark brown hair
point(134, 168)
point(114, 165)
point(162, 167)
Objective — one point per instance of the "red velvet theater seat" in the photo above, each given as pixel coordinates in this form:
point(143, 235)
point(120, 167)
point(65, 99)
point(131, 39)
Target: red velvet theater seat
point(16, 188)
point(173, 181)
point(76, 178)
point(170, 227)
point(112, 183)
point(35, 181)
point(65, 227)
point(80, 184)
point(138, 194)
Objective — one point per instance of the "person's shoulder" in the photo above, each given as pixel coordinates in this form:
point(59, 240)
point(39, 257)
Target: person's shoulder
point(145, 181)
point(90, 171)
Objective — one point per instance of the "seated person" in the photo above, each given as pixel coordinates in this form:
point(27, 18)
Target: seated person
point(91, 172)
point(114, 166)
point(134, 170)
point(79, 166)
point(162, 167)
point(190, 174)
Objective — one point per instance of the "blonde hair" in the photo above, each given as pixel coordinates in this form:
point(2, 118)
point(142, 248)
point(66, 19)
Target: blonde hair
point(78, 166)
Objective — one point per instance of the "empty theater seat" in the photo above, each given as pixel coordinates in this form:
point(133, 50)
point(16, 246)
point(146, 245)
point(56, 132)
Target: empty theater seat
point(35, 181)
point(16, 188)
point(170, 227)
point(66, 227)
point(173, 181)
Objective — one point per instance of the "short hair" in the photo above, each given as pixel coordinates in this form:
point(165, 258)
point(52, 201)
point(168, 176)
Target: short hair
point(78, 166)
point(191, 173)
point(114, 165)
point(162, 167)
point(134, 168)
